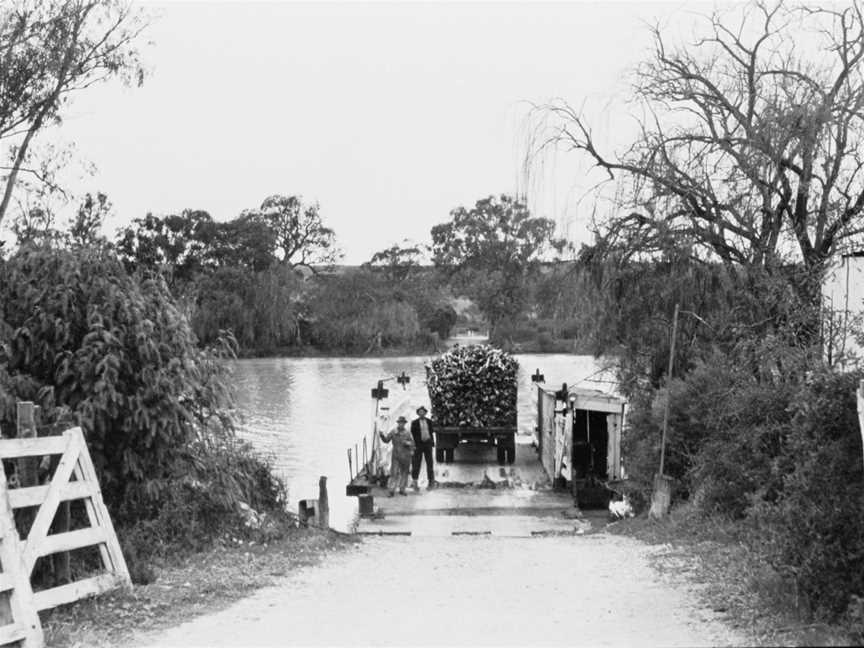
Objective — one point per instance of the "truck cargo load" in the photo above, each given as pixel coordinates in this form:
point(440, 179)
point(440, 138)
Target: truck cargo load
point(473, 392)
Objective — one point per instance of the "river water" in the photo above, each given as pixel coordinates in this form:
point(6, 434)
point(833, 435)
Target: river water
point(304, 413)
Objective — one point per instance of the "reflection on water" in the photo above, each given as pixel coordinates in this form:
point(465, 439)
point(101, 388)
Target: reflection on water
point(306, 412)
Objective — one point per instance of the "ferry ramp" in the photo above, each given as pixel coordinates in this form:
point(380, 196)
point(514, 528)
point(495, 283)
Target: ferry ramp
point(476, 496)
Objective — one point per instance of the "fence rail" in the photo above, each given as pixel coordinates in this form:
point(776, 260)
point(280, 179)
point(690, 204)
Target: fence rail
point(74, 478)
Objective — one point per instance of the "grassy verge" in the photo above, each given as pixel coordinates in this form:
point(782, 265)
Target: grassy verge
point(187, 588)
point(723, 556)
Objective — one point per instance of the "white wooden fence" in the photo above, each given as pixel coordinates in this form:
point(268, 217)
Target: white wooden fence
point(73, 479)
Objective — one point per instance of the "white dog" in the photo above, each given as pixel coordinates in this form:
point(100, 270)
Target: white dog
point(621, 509)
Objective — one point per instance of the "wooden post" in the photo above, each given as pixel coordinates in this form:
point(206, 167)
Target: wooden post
point(323, 504)
point(17, 605)
point(861, 411)
point(366, 504)
point(668, 390)
point(662, 497)
point(28, 467)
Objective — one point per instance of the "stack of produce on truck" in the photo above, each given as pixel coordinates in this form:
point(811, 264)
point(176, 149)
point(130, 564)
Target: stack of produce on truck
point(472, 390)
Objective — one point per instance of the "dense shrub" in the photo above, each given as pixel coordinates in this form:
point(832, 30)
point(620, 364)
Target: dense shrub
point(816, 525)
point(357, 313)
point(203, 504)
point(261, 309)
point(224, 304)
point(531, 336)
point(112, 353)
point(761, 430)
point(782, 449)
point(438, 318)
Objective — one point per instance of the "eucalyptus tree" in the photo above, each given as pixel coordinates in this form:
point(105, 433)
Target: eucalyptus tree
point(92, 212)
point(491, 249)
point(50, 50)
point(398, 262)
point(301, 239)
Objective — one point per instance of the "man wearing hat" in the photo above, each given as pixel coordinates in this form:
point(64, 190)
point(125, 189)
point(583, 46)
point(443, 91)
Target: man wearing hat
point(424, 441)
point(403, 454)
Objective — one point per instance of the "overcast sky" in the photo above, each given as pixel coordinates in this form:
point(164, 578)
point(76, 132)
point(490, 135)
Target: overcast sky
point(388, 115)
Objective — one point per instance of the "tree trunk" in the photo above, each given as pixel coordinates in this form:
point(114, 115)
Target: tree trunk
point(16, 167)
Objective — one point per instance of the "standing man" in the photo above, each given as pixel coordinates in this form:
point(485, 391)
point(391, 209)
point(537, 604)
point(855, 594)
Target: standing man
point(403, 455)
point(421, 430)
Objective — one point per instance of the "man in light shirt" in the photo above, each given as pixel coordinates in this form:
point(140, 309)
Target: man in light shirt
point(424, 440)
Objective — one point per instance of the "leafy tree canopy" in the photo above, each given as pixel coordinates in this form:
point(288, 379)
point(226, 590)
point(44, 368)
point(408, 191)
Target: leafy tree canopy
point(490, 249)
point(114, 352)
point(50, 50)
point(498, 232)
point(181, 245)
point(85, 227)
point(300, 237)
point(398, 262)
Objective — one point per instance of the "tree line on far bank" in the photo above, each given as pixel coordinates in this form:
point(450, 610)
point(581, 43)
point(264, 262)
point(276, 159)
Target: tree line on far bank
point(270, 277)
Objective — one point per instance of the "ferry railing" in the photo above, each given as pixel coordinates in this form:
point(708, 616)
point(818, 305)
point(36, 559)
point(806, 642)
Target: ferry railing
point(368, 459)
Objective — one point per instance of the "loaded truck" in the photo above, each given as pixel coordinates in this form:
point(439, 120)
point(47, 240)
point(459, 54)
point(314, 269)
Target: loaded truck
point(472, 390)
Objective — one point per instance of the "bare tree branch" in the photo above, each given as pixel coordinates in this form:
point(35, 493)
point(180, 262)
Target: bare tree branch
point(749, 148)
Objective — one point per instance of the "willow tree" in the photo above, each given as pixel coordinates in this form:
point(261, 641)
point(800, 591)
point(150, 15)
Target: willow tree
point(51, 50)
point(751, 140)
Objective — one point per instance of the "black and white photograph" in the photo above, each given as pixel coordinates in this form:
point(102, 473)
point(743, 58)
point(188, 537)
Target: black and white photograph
point(431, 323)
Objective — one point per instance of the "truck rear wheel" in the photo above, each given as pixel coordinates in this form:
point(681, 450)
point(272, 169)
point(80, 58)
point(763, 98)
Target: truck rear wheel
point(448, 455)
point(439, 455)
point(502, 455)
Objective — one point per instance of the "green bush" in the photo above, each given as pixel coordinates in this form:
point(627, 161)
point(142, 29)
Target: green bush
point(112, 353)
point(724, 442)
point(784, 453)
point(356, 313)
point(761, 431)
point(259, 308)
point(438, 318)
point(816, 526)
point(202, 504)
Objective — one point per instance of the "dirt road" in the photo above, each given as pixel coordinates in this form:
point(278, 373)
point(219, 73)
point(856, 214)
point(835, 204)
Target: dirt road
point(592, 590)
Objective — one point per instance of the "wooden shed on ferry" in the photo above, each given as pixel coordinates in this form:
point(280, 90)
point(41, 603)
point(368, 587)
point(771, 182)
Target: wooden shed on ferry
point(579, 440)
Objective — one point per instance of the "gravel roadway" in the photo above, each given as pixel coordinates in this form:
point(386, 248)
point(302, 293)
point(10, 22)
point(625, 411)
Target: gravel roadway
point(591, 590)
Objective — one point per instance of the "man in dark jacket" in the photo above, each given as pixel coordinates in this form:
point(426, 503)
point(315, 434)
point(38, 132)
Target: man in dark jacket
point(424, 440)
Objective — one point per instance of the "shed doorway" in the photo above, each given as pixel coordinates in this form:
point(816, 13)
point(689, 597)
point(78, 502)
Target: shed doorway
point(590, 445)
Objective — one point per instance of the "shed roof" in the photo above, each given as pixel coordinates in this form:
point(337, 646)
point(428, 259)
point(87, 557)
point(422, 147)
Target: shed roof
point(596, 400)
point(593, 399)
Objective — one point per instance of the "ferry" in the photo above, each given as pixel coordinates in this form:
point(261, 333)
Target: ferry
point(541, 480)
